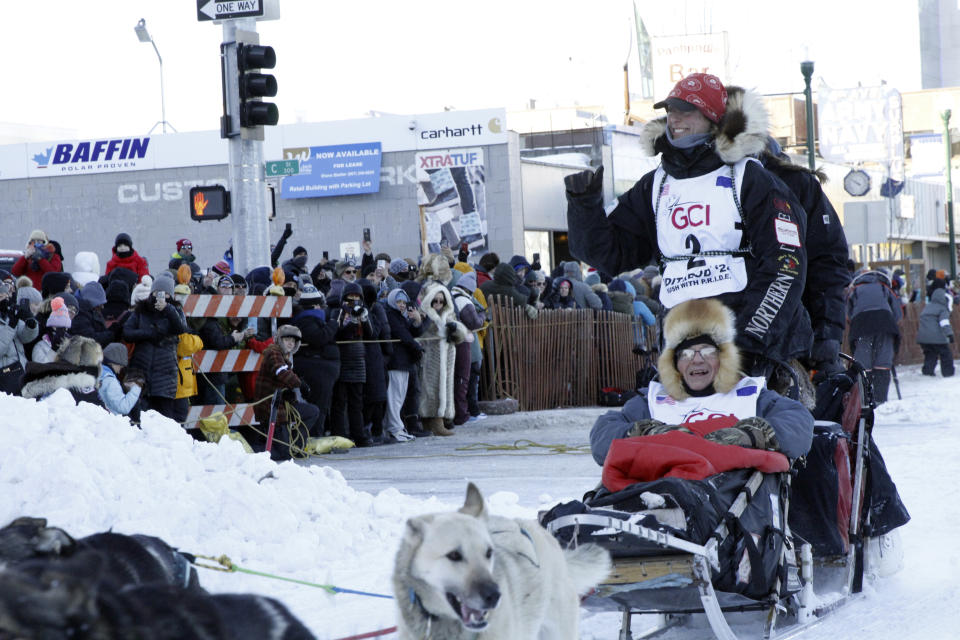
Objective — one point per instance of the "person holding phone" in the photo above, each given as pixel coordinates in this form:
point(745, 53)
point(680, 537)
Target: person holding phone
point(39, 257)
point(154, 328)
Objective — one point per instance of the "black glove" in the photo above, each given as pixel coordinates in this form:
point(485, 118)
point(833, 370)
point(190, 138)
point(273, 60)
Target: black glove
point(23, 310)
point(753, 433)
point(451, 332)
point(585, 182)
point(651, 427)
point(304, 387)
point(287, 231)
point(418, 354)
point(825, 356)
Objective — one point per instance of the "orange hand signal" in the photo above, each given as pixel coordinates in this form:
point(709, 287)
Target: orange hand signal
point(200, 203)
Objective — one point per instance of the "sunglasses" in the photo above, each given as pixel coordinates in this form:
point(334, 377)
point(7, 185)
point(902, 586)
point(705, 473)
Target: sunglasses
point(705, 352)
point(348, 271)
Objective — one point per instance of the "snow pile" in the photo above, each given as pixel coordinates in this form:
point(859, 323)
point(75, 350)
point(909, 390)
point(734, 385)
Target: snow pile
point(88, 471)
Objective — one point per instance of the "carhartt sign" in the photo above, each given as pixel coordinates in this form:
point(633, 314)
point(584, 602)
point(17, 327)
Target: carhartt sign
point(226, 9)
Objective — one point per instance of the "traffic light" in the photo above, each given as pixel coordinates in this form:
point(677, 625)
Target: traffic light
point(209, 203)
point(254, 85)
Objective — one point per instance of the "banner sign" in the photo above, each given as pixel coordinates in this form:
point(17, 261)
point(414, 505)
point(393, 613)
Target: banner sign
point(863, 124)
point(339, 170)
point(452, 191)
point(676, 57)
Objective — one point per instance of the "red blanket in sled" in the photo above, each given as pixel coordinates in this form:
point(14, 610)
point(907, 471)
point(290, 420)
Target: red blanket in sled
point(680, 455)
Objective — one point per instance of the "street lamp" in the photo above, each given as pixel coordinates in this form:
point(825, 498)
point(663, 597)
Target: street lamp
point(806, 68)
point(144, 36)
point(945, 116)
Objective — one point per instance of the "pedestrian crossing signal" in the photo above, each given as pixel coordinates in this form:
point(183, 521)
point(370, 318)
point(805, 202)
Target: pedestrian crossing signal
point(209, 203)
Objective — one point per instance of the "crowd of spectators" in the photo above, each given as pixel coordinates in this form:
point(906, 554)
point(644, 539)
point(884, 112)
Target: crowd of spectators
point(379, 349)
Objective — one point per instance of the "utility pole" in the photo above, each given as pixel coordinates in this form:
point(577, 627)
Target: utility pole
point(251, 239)
point(806, 68)
point(945, 115)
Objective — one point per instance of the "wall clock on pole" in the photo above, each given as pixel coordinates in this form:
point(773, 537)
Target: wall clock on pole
point(857, 182)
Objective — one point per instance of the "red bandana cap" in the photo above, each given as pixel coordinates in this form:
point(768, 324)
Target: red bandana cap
point(702, 90)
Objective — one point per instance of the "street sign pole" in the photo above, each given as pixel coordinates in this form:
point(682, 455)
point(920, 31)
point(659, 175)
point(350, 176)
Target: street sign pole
point(251, 229)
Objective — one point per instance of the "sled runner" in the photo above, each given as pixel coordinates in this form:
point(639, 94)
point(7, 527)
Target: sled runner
point(788, 543)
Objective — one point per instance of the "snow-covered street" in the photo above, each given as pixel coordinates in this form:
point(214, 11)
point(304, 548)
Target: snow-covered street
point(337, 520)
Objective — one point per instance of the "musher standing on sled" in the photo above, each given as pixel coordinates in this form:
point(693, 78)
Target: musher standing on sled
point(716, 220)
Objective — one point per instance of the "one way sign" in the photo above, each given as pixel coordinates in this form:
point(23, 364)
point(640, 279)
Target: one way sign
point(226, 9)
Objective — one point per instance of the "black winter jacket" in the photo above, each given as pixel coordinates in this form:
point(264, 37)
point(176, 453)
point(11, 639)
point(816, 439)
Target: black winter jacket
point(89, 322)
point(406, 353)
point(770, 319)
point(319, 336)
point(155, 335)
point(375, 388)
point(827, 251)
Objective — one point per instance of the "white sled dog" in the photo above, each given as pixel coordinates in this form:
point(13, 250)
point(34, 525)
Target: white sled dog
point(469, 575)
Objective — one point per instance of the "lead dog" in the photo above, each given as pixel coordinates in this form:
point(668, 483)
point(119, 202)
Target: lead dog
point(469, 575)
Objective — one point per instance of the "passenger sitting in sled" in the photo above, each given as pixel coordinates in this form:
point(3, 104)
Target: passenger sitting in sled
point(701, 404)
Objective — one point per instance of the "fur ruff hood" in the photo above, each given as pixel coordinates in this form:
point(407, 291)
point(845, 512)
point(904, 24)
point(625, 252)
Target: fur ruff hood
point(447, 313)
point(742, 131)
point(704, 316)
point(43, 380)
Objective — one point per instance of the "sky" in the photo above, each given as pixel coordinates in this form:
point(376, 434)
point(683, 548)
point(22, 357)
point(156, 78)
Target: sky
point(87, 471)
point(79, 65)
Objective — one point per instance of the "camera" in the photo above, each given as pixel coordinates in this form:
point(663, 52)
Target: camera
point(353, 307)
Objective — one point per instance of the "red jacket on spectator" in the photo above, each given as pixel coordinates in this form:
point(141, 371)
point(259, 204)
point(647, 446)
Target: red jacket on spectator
point(37, 265)
point(135, 262)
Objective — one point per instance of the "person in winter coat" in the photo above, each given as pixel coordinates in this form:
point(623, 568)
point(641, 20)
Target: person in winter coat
point(934, 333)
point(702, 394)
point(118, 303)
point(89, 320)
point(154, 328)
point(440, 354)
point(593, 281)
point(18, 326)
point(318, 360)
point(873, 314)
point(76, 369)
point(56, 331)
point(187, 345)
point(124, 255)
point(39, 257)
point(826, 246)
point(353, 322)
point(183, 254)
point(406, 324)
point(562, 295)
point(750, 250)
point(485, 266)
point(375, 358)
point(119, 398)
point(472, 318)
point(504, 286)
point(276, 373)
point(582, 292)
point(86, 267)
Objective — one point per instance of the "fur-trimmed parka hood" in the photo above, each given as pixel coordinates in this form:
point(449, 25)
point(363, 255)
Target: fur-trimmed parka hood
point(704, 316)
point(742, 131)
point(41, 380)
point(447, 314)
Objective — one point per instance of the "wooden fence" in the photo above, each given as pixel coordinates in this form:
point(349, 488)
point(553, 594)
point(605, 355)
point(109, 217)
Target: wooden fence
point(564, 358)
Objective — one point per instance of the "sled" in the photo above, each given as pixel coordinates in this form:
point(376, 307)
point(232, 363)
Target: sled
point(667, 565)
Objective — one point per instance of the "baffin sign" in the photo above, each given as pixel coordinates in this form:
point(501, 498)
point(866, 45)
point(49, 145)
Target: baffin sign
point(209, 203)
